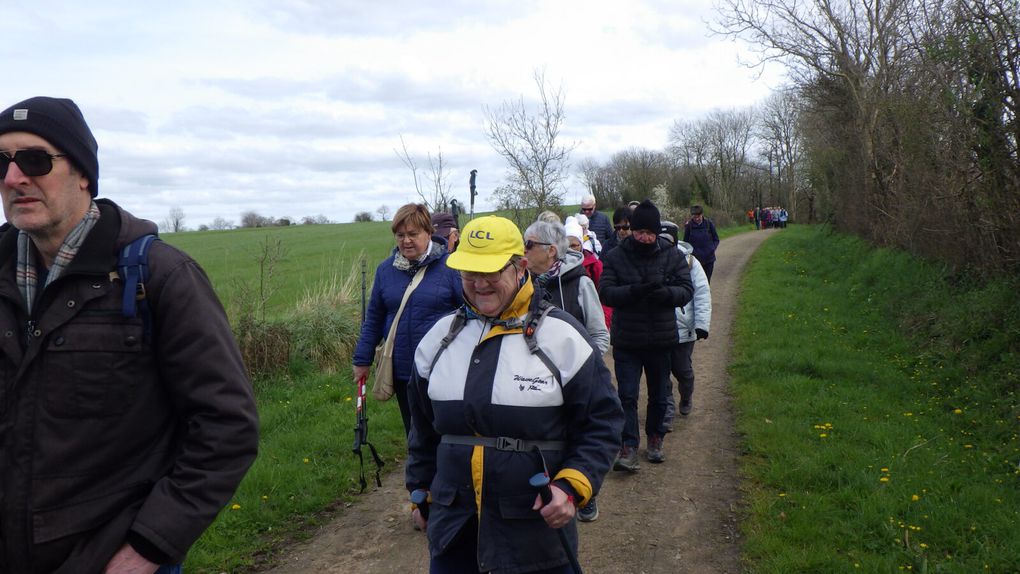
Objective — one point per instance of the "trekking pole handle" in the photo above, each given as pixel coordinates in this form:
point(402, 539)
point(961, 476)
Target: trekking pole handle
point(540, 482)
point(420, 498)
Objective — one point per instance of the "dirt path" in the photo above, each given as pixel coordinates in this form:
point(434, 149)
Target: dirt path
point(675, 517)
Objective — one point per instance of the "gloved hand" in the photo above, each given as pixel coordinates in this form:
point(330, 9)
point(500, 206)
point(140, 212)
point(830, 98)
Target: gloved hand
point(701, 333)
point(642, 289)
point(661, 295)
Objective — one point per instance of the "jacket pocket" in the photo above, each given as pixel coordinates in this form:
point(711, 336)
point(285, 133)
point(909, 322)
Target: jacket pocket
point(83, 516)
point(93, 369)
point(518, 506)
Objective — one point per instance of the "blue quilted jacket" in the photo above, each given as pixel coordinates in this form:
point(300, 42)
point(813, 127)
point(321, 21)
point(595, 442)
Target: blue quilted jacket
point(439, 293)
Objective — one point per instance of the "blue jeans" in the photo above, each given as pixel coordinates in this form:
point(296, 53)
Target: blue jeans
point(629, 364)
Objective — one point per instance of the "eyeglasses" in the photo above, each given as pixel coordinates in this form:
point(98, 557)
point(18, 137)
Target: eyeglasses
point(530, 243)
point(623, 227)
point(587, 209)
point(31, 162)
point(490, 277)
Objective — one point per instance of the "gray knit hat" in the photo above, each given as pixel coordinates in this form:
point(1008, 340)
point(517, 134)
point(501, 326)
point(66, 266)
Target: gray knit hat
point(60, 122)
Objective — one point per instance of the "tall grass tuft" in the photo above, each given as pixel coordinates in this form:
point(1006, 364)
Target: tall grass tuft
point(324, 322)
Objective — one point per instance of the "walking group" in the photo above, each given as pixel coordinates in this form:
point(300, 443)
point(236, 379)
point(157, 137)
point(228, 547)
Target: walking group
point(768, 217)
point(512, 417)
point(127, 419)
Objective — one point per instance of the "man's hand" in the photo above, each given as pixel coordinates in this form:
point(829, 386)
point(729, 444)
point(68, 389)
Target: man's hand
point(560, 510)
point(360, 371)
point(127, 561)
point(701, 333)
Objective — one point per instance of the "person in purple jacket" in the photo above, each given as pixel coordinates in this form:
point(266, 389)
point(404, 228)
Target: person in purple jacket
point(439, 294)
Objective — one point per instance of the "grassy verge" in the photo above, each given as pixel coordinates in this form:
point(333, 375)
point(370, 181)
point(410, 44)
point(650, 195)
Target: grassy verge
point(878, 403)
point(305, 467)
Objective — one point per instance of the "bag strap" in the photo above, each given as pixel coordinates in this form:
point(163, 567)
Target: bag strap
point(133, 268)
point(415, 281)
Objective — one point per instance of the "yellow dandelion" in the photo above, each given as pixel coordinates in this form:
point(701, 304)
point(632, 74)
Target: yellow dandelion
point(957, 411)
point(307, 461)
point(884, 479)
point(348, 399)
point(968, 446)
point(235, 507)
point(883, 469)
point(923, 545)
point(823, 435)
point(914, 498)
point(264, 497)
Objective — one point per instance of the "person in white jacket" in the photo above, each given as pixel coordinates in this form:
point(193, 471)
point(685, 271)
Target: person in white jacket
point(693, 322)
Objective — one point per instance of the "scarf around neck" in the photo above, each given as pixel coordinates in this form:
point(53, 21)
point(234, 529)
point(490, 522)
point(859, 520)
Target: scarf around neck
point(27, 275)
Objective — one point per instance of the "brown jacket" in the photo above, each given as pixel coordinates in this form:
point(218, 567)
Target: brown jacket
point(106, 434)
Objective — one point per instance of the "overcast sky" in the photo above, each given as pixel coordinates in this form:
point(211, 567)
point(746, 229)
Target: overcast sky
point(295, 108)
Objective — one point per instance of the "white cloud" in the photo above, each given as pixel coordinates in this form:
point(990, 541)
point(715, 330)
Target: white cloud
point(296, 107)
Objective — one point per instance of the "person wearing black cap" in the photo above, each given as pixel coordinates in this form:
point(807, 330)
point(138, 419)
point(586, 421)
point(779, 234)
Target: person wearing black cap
point(121, 437)
point(644, 280)
point(445, 226)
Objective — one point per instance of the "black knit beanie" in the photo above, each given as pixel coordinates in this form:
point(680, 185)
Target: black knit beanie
point(61, 123)
point(645, 217)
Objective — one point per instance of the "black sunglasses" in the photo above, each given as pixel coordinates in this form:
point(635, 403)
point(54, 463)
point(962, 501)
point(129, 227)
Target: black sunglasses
point(531, 243)
point(31, 162)
point(587, 209)
point(619, 227)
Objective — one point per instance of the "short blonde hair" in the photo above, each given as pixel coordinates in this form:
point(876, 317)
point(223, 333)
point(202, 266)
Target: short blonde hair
point(412, 215)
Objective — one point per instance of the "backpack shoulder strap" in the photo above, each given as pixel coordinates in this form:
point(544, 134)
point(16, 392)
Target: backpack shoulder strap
point(535, 317)
point(133, 268)
point(456, 326)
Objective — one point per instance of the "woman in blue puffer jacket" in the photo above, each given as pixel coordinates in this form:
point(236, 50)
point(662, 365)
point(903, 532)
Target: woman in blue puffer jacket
point(438, 294)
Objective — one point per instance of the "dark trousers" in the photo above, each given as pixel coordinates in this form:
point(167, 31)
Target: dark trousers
point(682, 369)
point(400, 390)
point(708, 267)
point(629, 364)
point(461, 556)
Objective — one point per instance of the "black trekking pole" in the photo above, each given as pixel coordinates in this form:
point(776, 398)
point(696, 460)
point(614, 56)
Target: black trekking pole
point(540, 482)
point(473, 193)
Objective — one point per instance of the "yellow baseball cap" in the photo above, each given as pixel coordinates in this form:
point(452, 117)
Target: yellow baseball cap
point(486, 244)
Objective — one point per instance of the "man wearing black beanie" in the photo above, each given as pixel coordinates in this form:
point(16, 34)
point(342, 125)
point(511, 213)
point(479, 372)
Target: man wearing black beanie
point(644, 280)
point(122, 434)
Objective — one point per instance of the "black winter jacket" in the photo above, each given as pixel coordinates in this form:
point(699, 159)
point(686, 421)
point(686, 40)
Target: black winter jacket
point(645, 318)
point(108, 435)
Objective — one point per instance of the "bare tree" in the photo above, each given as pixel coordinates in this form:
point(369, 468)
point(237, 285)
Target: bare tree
point(253, 219)
point(528, 141)
point(780, 132)
point(383, 212)
point(174, 222)
point(220, 223)
point(435, 192)
point(602, 182)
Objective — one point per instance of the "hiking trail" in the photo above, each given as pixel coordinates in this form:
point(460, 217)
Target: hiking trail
point(676, 517)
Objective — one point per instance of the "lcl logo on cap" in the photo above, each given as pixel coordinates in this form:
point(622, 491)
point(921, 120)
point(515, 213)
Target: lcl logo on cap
point(21, 114)
point(476, 235)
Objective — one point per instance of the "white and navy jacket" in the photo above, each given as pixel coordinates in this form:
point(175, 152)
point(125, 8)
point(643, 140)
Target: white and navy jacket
point(488, 383)
point(697, 313)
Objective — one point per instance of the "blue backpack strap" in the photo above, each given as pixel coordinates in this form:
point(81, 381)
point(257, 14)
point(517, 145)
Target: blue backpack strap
point(133, 268)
